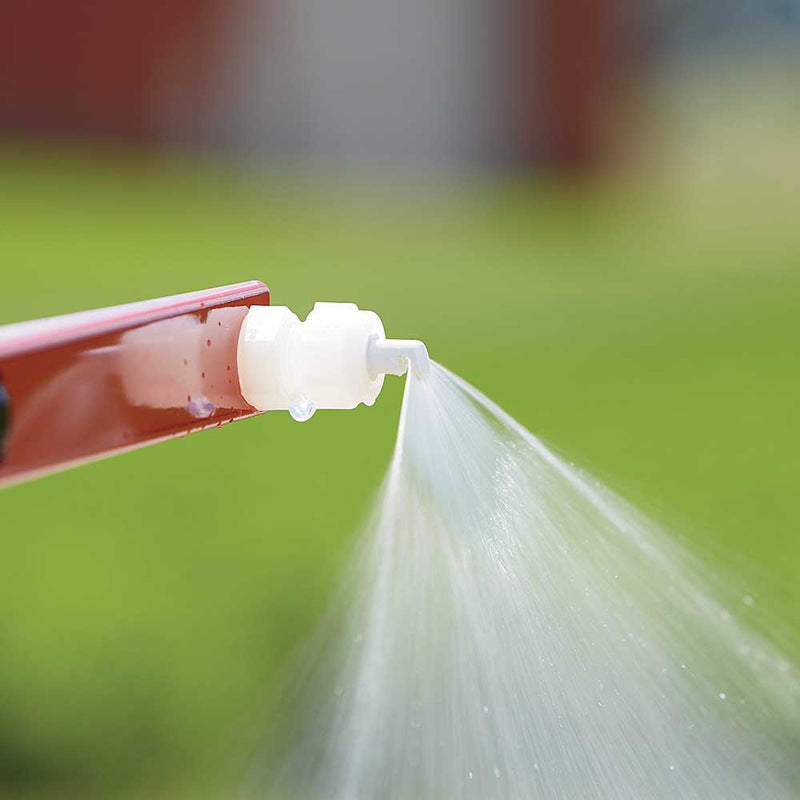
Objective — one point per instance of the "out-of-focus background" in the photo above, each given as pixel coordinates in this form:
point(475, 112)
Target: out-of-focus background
point(589, 209)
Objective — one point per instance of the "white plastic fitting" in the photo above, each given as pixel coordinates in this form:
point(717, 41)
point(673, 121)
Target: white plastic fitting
point(335, 359)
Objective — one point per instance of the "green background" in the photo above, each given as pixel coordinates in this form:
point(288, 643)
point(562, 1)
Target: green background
point(148, 603)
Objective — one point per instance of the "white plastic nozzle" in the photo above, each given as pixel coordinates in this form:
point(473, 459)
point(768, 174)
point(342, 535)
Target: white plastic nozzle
point(396, 356)
point(335, 359)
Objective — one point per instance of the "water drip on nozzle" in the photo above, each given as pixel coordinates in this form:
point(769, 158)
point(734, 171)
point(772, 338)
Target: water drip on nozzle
point(302, 410)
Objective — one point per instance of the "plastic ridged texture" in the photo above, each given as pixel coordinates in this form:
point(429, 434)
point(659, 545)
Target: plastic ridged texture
point(335, 359)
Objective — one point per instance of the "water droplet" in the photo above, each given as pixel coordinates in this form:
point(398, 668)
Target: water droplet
point(748, 600)
point(496, 772)
point(208, 342)
point(470, 775)
point(302, 410)
point(486, 709)
point(723, 696)
point(201, 407)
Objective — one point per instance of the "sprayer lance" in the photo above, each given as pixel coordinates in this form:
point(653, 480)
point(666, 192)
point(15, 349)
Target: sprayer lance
point(83, 386)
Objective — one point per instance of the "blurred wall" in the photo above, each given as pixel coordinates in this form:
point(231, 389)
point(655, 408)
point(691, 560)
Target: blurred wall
point(375, 80)
point(93, 69)
point(422, 82)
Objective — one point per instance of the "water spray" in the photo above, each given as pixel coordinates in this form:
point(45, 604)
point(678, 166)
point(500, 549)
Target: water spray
point(84, 386)
point(517, 629)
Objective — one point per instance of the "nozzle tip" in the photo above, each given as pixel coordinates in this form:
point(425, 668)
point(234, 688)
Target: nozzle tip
point(396, 356)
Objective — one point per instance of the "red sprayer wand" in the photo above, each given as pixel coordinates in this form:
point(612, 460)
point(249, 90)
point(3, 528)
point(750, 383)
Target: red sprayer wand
point(88, 385)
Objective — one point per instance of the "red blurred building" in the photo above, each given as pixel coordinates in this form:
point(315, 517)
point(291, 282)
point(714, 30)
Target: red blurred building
point(498, 81)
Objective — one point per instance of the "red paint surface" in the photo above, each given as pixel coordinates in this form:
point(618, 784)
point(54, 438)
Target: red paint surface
point(82, 387)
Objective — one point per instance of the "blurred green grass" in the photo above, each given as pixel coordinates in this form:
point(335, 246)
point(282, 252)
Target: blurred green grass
point(149, 602)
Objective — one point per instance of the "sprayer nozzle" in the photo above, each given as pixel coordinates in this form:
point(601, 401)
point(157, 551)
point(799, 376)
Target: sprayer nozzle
point(396, 356)
point(335, 359)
